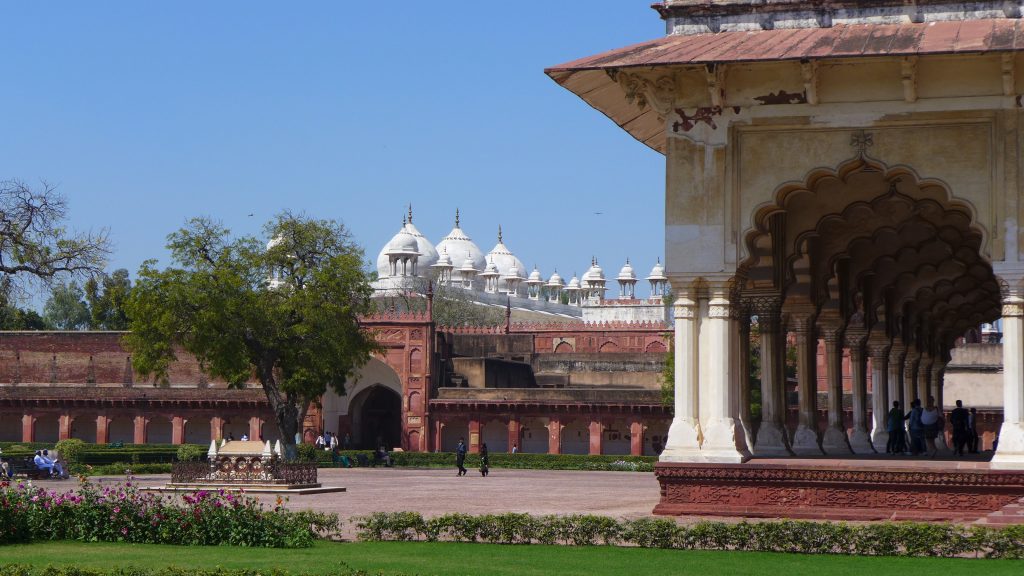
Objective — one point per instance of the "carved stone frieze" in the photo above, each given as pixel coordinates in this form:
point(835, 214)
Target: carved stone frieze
point(657, 93)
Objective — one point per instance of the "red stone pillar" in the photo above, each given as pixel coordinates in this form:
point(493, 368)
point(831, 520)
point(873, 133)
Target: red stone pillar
point(102, 430)
point(438, 435)
point(636, 438)
point(216, 428)
point(65, 427)
point(177, 430)
point(596, 437)
point(139, 437)
point(514, 432)
point(255, 428)
point(554, 436)
point(28, 428)
point(474, 436)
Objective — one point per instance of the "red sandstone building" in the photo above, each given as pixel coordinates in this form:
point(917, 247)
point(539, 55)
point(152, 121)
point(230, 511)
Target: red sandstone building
point(555, 388)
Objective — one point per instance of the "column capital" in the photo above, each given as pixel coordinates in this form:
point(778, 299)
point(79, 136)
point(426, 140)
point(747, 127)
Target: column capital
point(684, 309)
point(801, 320)
point(768, 309)
point(878, 346)
point(855, 337)
point(831, 332)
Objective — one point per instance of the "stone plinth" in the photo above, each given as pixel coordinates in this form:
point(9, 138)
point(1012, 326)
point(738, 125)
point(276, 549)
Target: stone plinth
point(250, 466)
point(855, 490)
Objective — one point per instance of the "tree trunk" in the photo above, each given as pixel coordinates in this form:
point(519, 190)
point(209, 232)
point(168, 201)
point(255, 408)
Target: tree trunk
point(287, 411)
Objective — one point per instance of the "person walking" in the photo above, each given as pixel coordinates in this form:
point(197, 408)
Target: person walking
point(959, 420)
point(915, 428)
point(931, 421)
point(460, 457)
point(894, 426)
point(485, 460)
point(972, 431)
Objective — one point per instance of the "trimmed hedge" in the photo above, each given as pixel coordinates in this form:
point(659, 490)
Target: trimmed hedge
point(877, 539)
point(505, 460)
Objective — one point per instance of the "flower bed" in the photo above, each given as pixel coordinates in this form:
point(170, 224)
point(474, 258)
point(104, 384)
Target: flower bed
point(878, 539)
point(122, 513)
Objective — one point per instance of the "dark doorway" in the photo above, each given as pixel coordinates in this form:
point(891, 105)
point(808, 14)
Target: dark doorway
point(381, 419)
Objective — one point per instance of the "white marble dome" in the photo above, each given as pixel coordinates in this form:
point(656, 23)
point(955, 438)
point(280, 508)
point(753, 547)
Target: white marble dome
point(443, 261)
point(556, 280)
point(398, 242)
point(428, 253)
point(469, 264)
point(574, 284)
point(658, 272)
point(461, 246)
point(627, 272)
point(535, 276)
point(506, 262)
point(491, 269)
point(595, 273)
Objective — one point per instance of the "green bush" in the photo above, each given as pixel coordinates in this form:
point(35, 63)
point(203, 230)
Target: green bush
point(190, 452)
point(309, 453)
point(879, 539)
point(71, 450)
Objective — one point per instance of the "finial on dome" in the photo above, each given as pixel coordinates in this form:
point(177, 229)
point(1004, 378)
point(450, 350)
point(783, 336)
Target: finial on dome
point(403, 220)
point(410, 212)
point(499, 233)
point(627, 259)
point(456, 217)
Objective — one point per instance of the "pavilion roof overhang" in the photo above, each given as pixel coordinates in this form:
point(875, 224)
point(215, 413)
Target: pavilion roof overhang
point(591, 78)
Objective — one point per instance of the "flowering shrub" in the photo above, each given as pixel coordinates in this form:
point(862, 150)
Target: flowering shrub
point(123, 513)
point(879, 539)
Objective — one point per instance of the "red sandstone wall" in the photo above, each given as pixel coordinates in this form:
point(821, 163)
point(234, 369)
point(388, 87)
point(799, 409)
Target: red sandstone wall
point(80, 358)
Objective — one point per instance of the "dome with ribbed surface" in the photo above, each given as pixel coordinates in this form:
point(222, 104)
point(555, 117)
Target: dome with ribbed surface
point(658, 272)
point(627, 272)
point(459, 243)
point(555, 280)
point(503, 258)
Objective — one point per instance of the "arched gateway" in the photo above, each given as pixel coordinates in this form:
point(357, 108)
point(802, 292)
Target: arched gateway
point(841, 173)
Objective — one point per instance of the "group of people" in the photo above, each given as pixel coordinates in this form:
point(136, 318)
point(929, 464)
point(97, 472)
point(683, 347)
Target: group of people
point(53, 466)
point(329, 441)
point(923, 426)
point(460, 458)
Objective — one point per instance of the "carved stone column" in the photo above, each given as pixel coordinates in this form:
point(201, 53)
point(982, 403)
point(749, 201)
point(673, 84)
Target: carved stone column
point(860, 439)
point(742, 331)
point(924, 377)
point(806, 440)
point(554, 436)
point(596, 429)
point(724, 440)
point(835, 440)
point(1010, 452)
point(897, 357)
point(938, 372)
point(772, 439)
point(878, 351)
point(910, 363)
point(683, 444)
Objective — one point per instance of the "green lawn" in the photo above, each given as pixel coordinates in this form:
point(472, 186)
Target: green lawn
point(446, 558)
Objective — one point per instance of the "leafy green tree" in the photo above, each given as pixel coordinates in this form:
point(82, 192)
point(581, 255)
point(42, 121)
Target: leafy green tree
point(66, 308)
point(106, 298)
point(35, 246)
point(298, 337)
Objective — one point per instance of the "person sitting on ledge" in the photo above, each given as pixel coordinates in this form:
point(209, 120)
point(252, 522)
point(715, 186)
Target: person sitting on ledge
point(55, 463)
point(43, 463)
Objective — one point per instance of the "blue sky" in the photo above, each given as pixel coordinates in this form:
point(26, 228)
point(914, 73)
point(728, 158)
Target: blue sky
point(146, 114)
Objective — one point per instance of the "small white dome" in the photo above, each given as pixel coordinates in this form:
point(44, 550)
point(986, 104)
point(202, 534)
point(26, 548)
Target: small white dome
point(469, 264)
point(535, 277)
point(594, 273)
point(428, 254)
point(506, 262)
point(491, 269)
point(574, 284)
point(627, 272)
point(403, 243)
point(458, 242)
point(443, 261)
point(555, 280)
point(658, 272)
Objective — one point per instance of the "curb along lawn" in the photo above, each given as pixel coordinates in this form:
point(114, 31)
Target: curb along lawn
point(447, 558)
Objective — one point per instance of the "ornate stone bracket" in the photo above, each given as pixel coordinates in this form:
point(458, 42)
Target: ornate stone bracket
point(658, 93)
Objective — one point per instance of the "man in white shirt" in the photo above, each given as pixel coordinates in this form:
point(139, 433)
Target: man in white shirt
point(43, 463)
point(245, 437)
point(55, 465)
point(319, 441)
point(334, 442)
